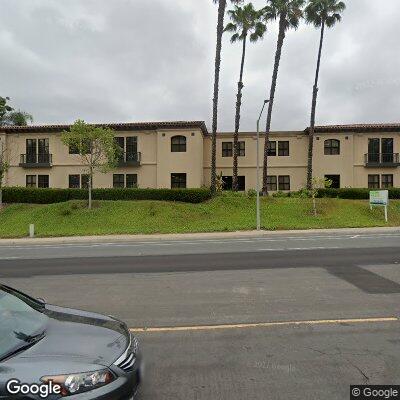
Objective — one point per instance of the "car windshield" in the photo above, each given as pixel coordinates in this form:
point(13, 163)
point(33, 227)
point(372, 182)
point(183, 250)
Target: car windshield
point(21, 320)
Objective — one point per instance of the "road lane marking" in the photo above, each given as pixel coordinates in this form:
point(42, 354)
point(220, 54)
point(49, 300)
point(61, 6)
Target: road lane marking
point(301, 248)
point(199, 241)
point(265, 325)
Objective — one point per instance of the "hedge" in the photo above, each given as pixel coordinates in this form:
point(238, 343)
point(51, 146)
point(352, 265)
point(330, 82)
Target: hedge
point(48, 196)
point(354, 193)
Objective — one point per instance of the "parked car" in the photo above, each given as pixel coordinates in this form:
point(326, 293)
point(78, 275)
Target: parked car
point(76, 354)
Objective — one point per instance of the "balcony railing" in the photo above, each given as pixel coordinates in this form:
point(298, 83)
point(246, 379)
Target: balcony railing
point(44, 160)
point(382, 160)
point(130, 160)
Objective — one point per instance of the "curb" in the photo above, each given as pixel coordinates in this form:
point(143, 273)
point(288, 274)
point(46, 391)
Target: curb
point(183, 236)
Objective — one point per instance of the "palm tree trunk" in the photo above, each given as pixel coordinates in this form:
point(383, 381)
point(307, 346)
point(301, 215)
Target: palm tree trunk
point(220, 31)
point(278, 53)
point(90, 187)
point(237, 119)
point(313, 111)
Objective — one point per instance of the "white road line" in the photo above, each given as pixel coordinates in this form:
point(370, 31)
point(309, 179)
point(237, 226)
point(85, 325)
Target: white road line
point(197, 242)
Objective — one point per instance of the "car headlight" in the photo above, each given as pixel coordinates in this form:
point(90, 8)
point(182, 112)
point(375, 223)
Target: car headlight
point(79, 383)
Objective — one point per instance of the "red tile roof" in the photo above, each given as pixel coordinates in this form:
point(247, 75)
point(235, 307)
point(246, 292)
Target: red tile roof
point(121, 126)
point(391, 127)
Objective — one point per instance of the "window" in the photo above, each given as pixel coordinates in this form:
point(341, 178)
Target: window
point(373, 182)
point(335, 180)
point(73, 149)
point(284, 182)
point(227, 149)
point(387, 181)
point(272, 184)
point(74, 181)
point(228, 183)
point(131, 180)
point(178, 181)
point(43, 153)
point(43, 181)
point(120, 142)
point(283, 148)
point(31, 151)
point(118, 180)
point(241, 149)
point(131, 148)
point(271, 148)
point(332, 147)
point(178, 144)
point(30, 180)
point(85, 181)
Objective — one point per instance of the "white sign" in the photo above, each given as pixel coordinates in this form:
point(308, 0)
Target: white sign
point(379, 198)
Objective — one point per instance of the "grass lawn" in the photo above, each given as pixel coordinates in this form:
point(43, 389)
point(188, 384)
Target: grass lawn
point(228, 212)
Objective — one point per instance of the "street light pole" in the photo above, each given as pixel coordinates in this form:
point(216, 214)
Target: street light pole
point(258, 166)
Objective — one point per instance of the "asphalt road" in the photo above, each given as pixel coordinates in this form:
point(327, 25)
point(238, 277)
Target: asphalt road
point(206, 295)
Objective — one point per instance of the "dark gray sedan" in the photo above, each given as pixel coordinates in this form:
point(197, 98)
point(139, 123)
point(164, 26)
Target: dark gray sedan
point(53, 352)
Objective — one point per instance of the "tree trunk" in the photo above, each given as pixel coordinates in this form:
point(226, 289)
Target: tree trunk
point(90, 187)
point(235, 184)
point(278, 53)
point(220, 31)
point(313, 111)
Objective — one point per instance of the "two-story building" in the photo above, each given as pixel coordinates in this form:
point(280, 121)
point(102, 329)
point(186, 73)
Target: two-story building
point(178, 155)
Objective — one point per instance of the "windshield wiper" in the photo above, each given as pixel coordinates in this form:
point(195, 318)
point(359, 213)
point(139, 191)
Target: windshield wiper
point(30, 341)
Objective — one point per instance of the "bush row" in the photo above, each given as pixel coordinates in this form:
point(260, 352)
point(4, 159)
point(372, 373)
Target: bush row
point(354, 193)
point(48, 196)
point(344, 193)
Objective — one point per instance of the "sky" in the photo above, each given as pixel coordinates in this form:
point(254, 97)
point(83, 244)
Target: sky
point(153, 60)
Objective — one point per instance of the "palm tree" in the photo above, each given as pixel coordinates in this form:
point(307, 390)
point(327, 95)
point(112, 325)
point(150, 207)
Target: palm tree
point(289, 13)
point(245, 21)
point(220, 31)
point(320, 13)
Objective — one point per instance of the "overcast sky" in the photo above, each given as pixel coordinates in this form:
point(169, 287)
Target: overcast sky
point(147, 60)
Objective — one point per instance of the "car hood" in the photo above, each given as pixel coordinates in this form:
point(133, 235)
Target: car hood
point(75, 341)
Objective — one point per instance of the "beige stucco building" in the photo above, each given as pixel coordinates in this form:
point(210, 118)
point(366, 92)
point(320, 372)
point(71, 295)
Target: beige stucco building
point(178, 154)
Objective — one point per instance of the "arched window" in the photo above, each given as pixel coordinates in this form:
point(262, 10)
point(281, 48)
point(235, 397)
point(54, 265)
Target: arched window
point(332, 147)
point(178, 144)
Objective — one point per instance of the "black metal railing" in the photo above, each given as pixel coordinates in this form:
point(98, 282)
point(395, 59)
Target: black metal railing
point(44, 159)
point(391, 159)
point(130, 158)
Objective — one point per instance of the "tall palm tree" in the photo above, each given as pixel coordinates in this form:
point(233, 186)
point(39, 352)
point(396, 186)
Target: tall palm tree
point(220, 31)
point(246, 22)
point(289, 13)
point(320, 13)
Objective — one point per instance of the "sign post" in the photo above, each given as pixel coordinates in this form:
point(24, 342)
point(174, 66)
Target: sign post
point(379, 198)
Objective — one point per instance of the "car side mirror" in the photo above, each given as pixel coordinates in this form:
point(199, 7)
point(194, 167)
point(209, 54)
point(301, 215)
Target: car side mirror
point(40, 300)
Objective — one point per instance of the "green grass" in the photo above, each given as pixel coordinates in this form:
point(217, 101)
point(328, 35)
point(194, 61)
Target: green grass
point(228, 212)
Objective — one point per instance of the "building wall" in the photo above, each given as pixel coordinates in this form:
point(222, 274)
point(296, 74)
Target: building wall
point(158, 162)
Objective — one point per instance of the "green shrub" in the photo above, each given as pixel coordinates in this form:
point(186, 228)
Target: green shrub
point(354, 193)
point(251, 193)
point(48, 196)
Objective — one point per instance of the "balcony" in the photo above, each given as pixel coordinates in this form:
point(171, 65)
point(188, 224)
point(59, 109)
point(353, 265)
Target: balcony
point(386, 160)
point(36, 160)
point(130, 160)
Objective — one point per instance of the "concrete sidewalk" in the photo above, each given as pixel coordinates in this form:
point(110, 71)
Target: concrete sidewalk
point(184, 236)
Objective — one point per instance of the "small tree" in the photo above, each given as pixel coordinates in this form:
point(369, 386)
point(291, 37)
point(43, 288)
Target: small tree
point(11, 117)
point(317, 183)
point(3, 169)
point(96, 147)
